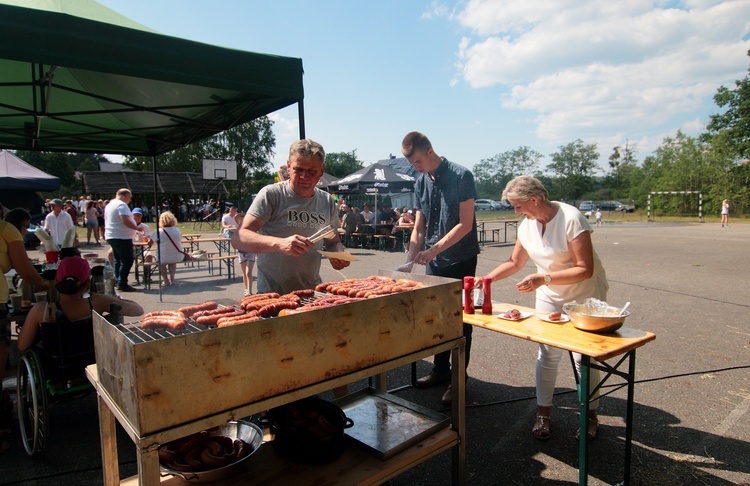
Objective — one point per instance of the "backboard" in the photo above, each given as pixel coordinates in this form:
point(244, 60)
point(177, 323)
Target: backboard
point(219, 170)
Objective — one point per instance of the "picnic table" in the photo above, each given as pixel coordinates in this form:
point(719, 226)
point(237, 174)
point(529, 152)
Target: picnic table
point(484, 227)
point(594, 348)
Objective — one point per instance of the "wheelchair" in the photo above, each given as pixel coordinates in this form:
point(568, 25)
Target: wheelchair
point(53, 371)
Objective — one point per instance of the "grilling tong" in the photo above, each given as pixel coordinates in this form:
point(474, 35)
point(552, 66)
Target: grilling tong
point(325, 232)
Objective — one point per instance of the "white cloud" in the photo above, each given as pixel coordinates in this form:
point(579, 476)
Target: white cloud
point(286, 131)
point(592, 69)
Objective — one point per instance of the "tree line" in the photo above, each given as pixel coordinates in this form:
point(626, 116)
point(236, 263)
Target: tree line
point(716, 163)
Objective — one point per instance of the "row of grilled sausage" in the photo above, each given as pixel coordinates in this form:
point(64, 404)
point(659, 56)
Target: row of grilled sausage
point(258, 306)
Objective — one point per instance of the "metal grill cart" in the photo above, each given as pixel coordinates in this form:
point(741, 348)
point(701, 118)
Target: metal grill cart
point(161, 385)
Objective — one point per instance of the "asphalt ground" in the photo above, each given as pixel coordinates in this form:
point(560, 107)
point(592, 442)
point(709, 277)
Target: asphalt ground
point(687, 282)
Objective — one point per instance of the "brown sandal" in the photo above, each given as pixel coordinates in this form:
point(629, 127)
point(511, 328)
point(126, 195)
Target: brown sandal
point(541, 428)
point(592, 429)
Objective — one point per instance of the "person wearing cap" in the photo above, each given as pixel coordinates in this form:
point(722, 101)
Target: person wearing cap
point(143, 232)
point(119, 229)
point(57, 223)
point(72, 282)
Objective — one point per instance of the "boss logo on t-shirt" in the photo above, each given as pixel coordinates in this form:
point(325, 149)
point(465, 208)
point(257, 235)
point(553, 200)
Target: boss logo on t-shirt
point(305, 219)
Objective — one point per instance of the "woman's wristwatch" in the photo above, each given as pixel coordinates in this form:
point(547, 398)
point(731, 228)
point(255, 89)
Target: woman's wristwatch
point(547, 279)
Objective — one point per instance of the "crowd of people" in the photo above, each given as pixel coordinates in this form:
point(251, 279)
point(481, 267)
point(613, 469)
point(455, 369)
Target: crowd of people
point(366, 223)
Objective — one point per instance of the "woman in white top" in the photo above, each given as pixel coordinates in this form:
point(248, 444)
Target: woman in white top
point(170, 247)
point(725, 213)
point(556, 237)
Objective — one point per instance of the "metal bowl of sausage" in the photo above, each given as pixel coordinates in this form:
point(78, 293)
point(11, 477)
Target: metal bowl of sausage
point(222, 465)
point(588, 319)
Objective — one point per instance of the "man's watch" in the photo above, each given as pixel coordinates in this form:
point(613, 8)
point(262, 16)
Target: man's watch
point(547, 279)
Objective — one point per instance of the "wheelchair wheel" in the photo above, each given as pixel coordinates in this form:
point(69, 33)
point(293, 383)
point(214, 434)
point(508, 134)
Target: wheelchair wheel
point(32, 403)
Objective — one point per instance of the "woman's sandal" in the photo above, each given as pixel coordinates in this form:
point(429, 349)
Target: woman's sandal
point(541, 428)
point(592, 429)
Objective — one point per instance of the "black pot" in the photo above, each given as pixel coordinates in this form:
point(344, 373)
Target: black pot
point(309, 431)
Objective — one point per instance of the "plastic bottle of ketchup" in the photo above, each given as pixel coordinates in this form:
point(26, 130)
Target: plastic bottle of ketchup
point(486, 287)
point(468, 298)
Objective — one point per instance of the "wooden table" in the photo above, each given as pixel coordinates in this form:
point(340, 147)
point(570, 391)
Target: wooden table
point(139, 254)
point(224, 246)
point(406, 230)
point(622, 343)
point(190, 239)
point(222, 243)
point(139, 258)
point(482, 230)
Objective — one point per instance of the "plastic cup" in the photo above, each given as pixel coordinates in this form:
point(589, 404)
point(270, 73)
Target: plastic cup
point(40, 296)
point(100, 288)
point(16, 301)
point(52, 256)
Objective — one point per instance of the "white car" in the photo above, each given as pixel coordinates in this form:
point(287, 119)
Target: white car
point(484, 205)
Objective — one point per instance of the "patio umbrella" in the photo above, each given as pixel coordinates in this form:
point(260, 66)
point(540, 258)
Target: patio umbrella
point(325, 180)
point(373, 179)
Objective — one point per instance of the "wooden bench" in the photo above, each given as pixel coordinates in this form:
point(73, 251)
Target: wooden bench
point(223, 260)
point(148, 269)
point(385, 242)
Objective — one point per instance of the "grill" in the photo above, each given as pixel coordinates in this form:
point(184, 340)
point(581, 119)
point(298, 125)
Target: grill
point(136, 334)
point(161, 378)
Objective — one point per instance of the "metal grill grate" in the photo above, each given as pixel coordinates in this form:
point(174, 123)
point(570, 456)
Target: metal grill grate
point(136, 334)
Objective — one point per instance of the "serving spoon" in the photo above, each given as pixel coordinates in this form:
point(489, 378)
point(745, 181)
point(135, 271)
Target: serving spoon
point(622, 311)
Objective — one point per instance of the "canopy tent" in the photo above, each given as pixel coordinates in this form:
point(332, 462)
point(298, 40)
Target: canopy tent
point(325, 180)
point(16, 174)
point(75, 84)
point(77, 77)
point(374, 179)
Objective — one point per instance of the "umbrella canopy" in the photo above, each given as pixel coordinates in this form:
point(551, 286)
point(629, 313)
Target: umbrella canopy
point(373, 179)
point(16, 174)
point(77, 77)
point(325, 180)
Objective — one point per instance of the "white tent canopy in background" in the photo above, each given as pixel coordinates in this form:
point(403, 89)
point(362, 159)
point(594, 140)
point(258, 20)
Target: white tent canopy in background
point(16, 174)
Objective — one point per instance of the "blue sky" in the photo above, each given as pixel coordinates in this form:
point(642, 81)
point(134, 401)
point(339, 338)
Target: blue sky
point(481, 77)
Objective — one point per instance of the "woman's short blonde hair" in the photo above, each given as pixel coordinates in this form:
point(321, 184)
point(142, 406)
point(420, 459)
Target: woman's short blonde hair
point(523, 188)
point(167, 219)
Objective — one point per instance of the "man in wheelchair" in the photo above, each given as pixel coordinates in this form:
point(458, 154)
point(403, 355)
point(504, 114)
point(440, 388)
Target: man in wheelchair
point(58, 343)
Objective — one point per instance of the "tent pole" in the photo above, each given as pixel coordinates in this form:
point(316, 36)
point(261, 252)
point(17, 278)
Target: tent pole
point(158, 238)
point(301, 115)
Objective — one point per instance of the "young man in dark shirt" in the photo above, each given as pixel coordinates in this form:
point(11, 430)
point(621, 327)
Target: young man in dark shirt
point(445, 231)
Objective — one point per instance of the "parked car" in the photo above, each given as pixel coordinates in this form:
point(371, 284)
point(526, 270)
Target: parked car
point(610, 205)
point(615, 206)
point(484, 205)
point(503, 205)
point(587, 206)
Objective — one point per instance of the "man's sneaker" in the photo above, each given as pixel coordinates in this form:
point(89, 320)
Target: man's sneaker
point(127, 288)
